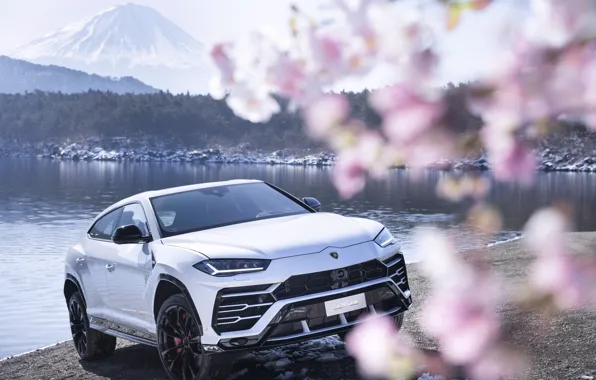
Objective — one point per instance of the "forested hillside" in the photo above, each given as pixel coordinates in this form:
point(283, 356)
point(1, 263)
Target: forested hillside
point(185, 119)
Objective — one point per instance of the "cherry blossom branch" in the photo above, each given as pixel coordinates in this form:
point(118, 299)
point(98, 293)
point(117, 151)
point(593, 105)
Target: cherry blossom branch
point(550, 71)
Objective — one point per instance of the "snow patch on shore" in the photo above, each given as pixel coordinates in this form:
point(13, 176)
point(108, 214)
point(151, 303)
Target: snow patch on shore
point(504, 241)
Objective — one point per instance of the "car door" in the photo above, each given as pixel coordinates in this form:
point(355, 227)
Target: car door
point(97, 247)
point(128, 272)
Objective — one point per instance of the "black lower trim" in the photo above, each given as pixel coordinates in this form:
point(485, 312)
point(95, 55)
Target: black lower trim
point(124, 332)
point(173, 280)
point(260, 341)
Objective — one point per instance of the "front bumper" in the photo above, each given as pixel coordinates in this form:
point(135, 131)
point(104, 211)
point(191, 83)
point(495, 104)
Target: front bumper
point(265, 315)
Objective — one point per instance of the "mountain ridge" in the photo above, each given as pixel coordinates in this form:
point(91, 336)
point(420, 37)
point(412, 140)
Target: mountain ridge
point(18, 76)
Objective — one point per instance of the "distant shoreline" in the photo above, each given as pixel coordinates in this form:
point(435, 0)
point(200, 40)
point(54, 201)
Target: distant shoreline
point(551, 161)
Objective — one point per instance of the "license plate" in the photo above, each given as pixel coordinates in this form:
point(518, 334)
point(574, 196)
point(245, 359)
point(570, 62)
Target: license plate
point(345, 305)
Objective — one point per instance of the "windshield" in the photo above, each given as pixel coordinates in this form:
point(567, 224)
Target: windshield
point(218, 206)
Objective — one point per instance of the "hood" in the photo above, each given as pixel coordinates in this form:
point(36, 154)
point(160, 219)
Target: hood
point(275, 238)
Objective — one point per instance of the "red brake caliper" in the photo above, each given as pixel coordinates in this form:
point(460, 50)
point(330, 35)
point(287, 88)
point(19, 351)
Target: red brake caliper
point(178, 341)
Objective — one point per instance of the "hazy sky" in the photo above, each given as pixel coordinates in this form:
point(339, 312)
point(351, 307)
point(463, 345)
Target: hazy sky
point(467, 49)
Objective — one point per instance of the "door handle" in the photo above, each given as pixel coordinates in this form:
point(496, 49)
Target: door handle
point(80, 260)
point(111, 267)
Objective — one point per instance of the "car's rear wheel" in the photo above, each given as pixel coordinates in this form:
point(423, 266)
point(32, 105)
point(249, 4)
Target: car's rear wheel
point(90, 344)
point(179, 342)
point(399, 321)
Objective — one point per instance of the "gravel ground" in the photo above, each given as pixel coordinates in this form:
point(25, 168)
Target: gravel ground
point(561, 348)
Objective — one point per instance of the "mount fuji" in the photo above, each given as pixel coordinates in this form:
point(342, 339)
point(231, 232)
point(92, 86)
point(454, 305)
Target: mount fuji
point(126, 40)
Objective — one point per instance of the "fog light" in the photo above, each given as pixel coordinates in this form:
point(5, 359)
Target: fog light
point(210, 348)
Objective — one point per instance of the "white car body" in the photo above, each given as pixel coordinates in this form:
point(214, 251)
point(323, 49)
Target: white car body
point(123, 284)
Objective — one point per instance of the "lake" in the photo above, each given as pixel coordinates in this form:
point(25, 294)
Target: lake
point(45, 206)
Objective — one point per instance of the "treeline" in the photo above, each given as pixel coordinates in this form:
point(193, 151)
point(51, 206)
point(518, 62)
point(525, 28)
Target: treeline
point(197, 120)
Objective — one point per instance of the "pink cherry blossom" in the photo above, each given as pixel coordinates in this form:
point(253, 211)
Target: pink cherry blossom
point(498, 363)
point(589, 77)
point(326, 113)
point(373, 344)
point(560, 22)
point(551, 71)
point(407, 116)
point(287, 76)
point(353, 164)
point(349, 174)
point(379, 350)
point(569, 278)
point(221, 57)
point(465, 325)
point(324, 55)
point(254, 106)
point(513, 163)
point(367, 157)
point(220, 54)
point(404, 96)
point(461, 312)
point(545, 232)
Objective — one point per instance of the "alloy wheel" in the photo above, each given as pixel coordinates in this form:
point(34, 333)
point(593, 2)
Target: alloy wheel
point(77, 326)
point(180, 343)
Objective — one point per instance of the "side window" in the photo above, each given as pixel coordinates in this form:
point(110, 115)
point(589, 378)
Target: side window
point(166, 218)
point(104, 227)
point(134, 214)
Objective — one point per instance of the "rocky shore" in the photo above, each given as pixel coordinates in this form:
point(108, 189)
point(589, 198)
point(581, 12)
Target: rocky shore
point(120, 151)
point(125, 150)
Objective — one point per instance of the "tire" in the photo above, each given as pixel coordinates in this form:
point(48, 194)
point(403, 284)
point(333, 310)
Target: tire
point(179, 343)
point(90, 344)
point(399, 321)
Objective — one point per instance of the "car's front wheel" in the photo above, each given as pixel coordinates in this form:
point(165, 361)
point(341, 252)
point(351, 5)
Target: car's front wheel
point(90, 344)
point(179, 343)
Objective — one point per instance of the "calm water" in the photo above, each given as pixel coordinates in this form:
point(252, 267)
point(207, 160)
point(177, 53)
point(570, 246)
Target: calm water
point(46, 206)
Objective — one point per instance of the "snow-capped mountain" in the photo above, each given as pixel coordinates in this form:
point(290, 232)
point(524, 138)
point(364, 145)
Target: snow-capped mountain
point(126, 40)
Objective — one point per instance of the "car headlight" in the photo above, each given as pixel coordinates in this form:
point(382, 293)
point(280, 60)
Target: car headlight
point(385, 238)
point(222, 268)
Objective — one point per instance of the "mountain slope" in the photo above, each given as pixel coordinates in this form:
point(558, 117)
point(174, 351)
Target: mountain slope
point(126, 40)
point(17, 76)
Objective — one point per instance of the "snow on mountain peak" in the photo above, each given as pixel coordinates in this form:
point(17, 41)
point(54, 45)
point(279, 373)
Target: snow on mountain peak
point(124, 36)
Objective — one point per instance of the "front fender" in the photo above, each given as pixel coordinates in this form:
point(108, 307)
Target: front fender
point(170, 262)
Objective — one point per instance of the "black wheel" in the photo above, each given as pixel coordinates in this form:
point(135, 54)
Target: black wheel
point(179, 341)
point(399, 321)
point(90, 344)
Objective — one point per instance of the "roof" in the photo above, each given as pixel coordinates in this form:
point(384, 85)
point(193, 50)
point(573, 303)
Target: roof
point(179, 189)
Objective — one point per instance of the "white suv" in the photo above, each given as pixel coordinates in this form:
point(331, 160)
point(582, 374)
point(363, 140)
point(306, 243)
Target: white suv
point(203, 270)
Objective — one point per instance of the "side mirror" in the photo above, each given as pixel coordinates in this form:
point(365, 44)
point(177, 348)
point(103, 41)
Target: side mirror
point(312, 203)
point(130, 234)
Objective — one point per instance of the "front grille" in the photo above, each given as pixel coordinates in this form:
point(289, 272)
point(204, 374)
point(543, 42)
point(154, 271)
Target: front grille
point(239, 309)
point(305, 284)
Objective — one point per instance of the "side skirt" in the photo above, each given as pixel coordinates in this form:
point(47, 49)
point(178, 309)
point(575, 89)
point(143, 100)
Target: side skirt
point(123, 332)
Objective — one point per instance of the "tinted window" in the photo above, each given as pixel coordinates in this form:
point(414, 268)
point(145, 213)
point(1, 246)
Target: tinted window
point(104, 227)
point(134, 214)
point(222, 205)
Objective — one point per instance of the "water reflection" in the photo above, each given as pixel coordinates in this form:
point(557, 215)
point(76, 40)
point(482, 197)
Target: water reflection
point(45, 206)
